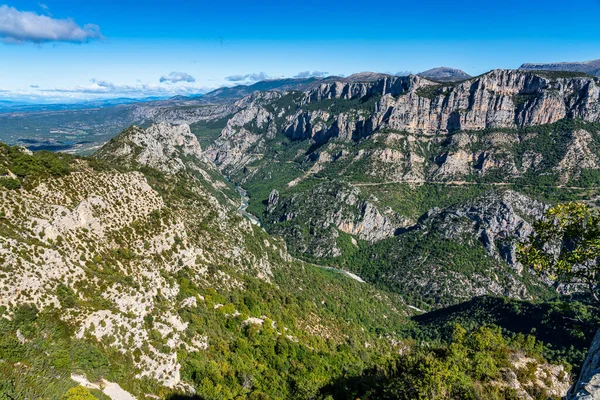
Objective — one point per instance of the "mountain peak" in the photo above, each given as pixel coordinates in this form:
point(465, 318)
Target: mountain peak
point(162, 146)
point(445, 74)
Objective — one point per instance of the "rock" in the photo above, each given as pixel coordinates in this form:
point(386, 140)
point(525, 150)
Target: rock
point(272, 200)
point(445, 74)
point(578, 156)
point(365, 105)
point(587, 386)
point(499, 220)
point(325, 211)
point(162, 146)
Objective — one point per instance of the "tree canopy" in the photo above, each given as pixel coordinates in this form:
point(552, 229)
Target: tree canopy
point(566, 246)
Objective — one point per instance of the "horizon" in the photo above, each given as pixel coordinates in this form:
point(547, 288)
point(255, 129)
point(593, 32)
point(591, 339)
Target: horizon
point(65, 52)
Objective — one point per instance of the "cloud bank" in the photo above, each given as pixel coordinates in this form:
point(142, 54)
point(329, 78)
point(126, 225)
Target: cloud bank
point(110, 89)
point(308, 74)
point(28, 27)
point(100, 89)
point(254, 77)
point(175, 77)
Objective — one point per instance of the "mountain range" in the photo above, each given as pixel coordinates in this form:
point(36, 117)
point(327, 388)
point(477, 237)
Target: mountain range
point(589, 67)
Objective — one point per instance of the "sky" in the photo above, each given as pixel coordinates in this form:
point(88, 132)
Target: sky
point(67, 50)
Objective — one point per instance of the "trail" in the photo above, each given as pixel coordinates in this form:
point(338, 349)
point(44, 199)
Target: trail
point(465, 183)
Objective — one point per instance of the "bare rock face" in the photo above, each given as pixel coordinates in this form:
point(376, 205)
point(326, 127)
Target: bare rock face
point(548, 378)
point(500, 98)
point(340, 210)
point(353, 109)
point(242, 137)
point(358, 87)
point(579, 155)
point(587, 386)
point(272, 200)
point(162, 146)
point(497, 220)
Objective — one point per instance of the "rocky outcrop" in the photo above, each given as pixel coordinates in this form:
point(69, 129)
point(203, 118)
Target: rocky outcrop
point(499, 99)
point(241, 140)
point(162, 146)
point(272, 200)
point(355, 88)
point(315, 218)
point(579, 155)
point(527, 376)
point(499, 220)
point(587, 386)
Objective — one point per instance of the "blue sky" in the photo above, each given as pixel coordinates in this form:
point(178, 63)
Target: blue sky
point(59, 50)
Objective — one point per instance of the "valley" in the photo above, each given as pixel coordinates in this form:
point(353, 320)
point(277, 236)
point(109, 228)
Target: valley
point(334, 237)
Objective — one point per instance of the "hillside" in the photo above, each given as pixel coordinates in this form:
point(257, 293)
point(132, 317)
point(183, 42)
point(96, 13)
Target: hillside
point(137, 276)
point(136, 268)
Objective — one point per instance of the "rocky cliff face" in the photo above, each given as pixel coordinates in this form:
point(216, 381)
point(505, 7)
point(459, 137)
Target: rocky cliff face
point(314, 218)
point(353, 110)
point(587, 387)
point(499, 99)
point(455, 253)
point(240, 141)
point(499, 220)
point(162, 146)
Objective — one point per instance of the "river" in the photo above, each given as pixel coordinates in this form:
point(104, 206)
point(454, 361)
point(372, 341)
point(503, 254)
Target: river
point(242, 209)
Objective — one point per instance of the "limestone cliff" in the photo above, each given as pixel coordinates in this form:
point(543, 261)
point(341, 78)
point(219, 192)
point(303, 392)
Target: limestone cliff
point(326, 210)
point(351, 110)
point(587, 387)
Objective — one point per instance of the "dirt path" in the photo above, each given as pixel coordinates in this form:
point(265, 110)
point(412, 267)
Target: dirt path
point(464, 183)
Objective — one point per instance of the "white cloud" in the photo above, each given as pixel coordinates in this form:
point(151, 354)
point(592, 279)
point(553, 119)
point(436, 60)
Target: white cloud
point(254, 77)
point(308, 74)
point(175, 77)
point(28, 27)
point(101, 89)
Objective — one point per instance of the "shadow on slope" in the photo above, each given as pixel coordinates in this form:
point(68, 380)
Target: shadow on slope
point(566, 327)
